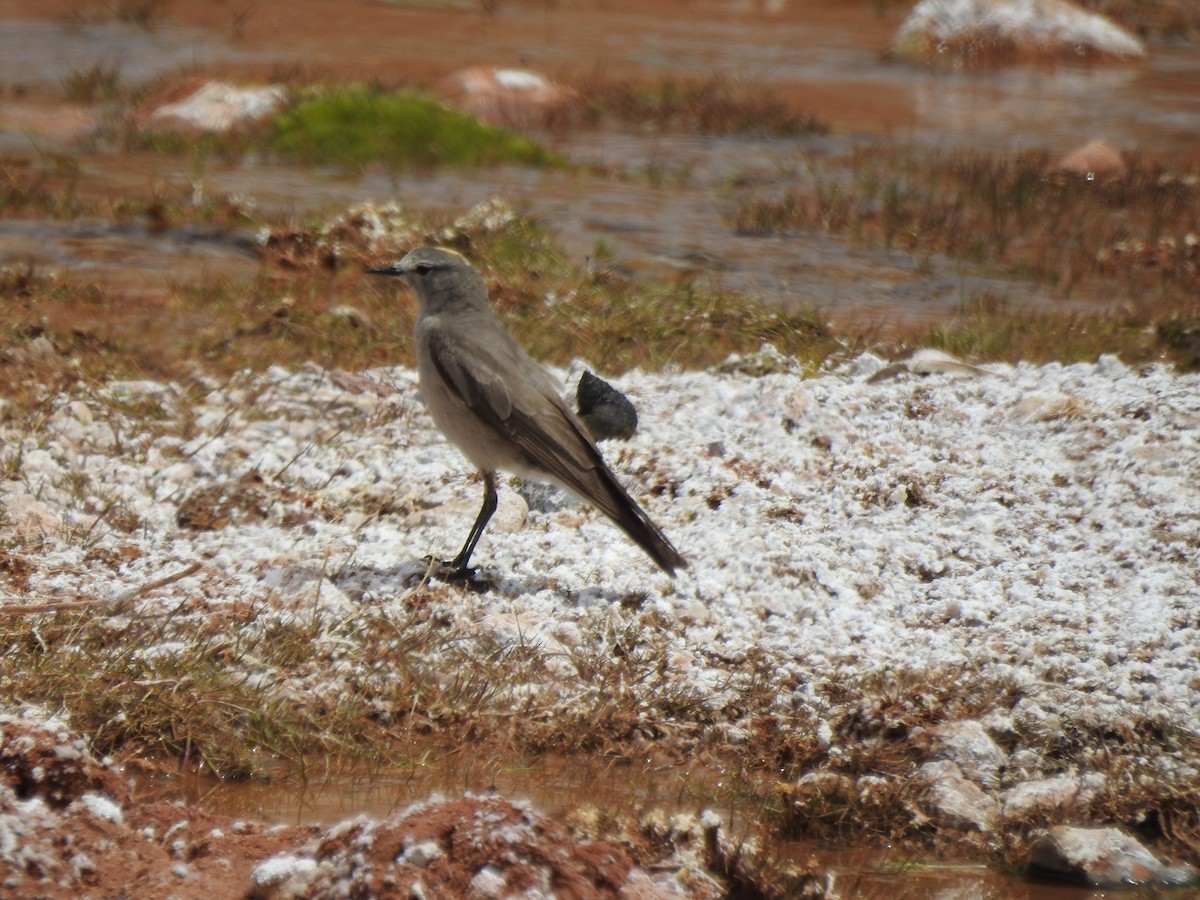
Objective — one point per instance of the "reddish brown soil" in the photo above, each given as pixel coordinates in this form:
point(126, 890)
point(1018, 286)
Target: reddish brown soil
point(68, 828)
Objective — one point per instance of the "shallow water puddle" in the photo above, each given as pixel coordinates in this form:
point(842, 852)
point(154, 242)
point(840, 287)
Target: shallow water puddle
point(875, 874)
point(558, 785)
point(48, 53)
point(81, 244)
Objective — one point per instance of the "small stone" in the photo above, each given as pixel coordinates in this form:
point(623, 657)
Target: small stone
point(215, 106)
point(510, 97)
point(1103, 858)
point(1049, 407)
point(1110, 364)
point(81, 412)
point(488, 882)
point(971, 748)
point(511, 512)
point(1094, 159)
point(421, 855)
point(925, 361)
point(956, 802)
point(766, 360)
point(1050, 795)
point(30, 518)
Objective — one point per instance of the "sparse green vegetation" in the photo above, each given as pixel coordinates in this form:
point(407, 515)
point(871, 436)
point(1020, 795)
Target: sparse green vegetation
point(561, 313)
point(1131, 237)
point(1014, 212)
point(986, 328)
point(47, 189)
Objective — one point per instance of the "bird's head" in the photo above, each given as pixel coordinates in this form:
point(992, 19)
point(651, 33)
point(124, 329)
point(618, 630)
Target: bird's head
point(441, 279)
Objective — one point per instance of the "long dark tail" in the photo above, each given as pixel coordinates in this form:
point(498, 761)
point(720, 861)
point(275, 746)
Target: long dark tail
point(607, 494)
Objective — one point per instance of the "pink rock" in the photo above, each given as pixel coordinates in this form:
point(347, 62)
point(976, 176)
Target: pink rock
point(1094, 159)
point(510, 97)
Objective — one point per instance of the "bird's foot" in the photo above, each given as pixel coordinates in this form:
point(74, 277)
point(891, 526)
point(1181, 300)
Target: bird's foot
point(453, 572)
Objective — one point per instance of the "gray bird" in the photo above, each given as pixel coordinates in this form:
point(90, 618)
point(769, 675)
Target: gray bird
point(501, 408)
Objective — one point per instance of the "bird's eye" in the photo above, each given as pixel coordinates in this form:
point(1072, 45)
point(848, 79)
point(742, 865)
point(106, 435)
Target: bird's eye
point(423, 268)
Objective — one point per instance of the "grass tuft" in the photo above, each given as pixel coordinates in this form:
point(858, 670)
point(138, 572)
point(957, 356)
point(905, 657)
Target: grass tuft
point(988, 328)
point(356, 126)
point(99, 83)
point(1132, 239)
point(715, 104)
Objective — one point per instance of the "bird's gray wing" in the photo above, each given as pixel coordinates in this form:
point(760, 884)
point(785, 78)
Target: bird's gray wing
point(524, 408)
point(475, 382)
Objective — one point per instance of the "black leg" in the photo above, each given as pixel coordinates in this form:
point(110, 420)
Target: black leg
point(485, 513)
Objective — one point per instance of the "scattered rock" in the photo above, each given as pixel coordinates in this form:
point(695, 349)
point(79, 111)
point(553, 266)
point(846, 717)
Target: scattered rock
point(512, 98)
point(1003, 31)
point(368, 233)
point(866, 364)
point(29, 517)
point(215, 106)
point(39, 351)
point(971, 748)
point(1103, 858)
point(955, 802)
point(372, 229)
point(605, 411)
point(1049, 407)
point(926, 361)
point(486, 217)
point(1095, 159)
point(766, 360)
point(360, 235)
point(1048, 796)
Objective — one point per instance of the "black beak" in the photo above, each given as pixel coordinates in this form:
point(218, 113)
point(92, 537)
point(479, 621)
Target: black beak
point(386, 270)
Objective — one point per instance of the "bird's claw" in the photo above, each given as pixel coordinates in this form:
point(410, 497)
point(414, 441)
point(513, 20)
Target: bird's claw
point(453, 572)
